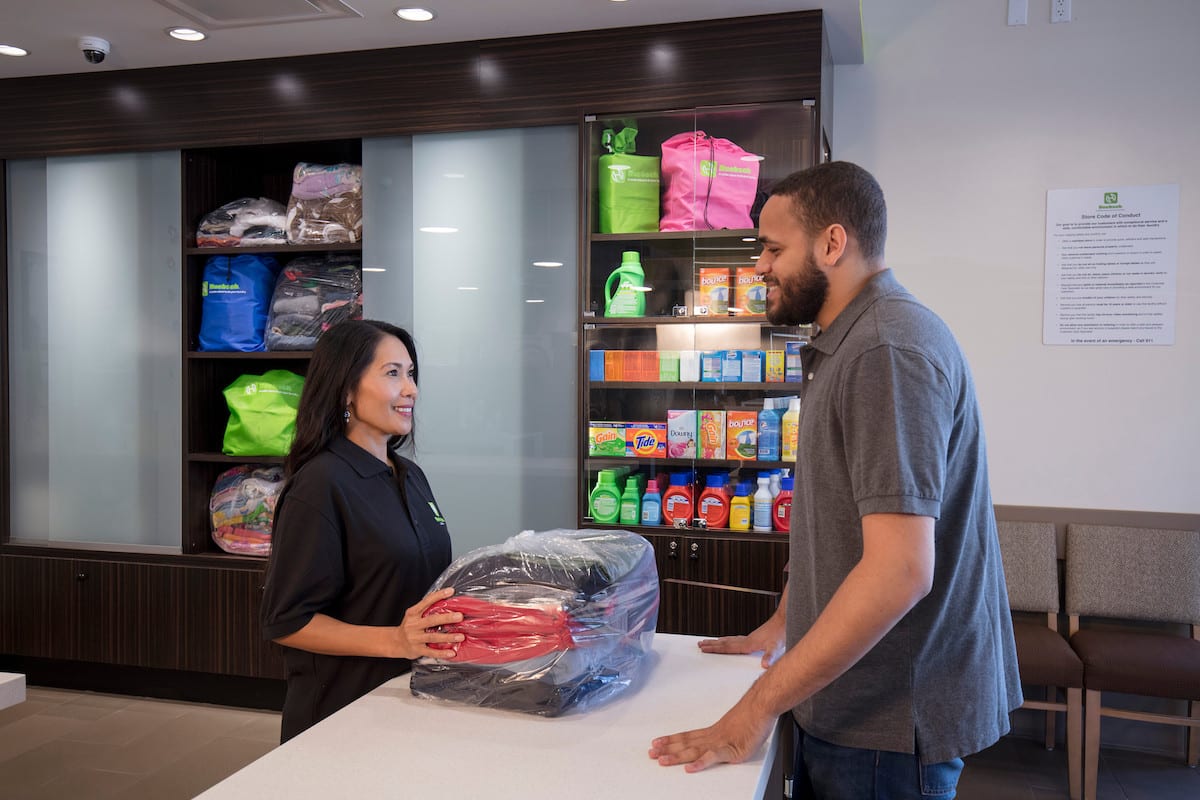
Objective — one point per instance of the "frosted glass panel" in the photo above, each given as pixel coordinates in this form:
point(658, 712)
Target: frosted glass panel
point(496, 418)
point(94, 332)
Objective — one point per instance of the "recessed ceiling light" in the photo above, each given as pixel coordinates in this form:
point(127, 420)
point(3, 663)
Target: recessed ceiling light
point(547, 263)
point(12, 50)
point(467, 288)
point(186, 34)
point(535, 301)
point(415, 14)
point(374, 269)
point(437, 229)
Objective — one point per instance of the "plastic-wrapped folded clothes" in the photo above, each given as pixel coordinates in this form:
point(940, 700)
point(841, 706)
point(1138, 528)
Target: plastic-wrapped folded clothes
point(246, 221)
point(325, 206)
point(312, 294)
point(242, 508)
point(554, 622)
point(311, 181)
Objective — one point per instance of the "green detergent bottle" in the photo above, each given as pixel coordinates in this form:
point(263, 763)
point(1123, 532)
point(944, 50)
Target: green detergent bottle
point(629, 299)
point(605, 499)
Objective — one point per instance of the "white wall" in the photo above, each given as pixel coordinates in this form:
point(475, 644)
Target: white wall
point(967, 123)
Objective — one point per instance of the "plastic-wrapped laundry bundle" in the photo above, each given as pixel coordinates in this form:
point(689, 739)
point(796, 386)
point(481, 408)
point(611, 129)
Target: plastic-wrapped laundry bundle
point(243, 509)
point(325, 206)
point(247, 221)
point(555, 621)
point(313, 293)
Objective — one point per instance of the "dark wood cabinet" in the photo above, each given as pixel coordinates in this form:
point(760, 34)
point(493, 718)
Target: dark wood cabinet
point(158, 616)
point(715, 585)
point(697, 303)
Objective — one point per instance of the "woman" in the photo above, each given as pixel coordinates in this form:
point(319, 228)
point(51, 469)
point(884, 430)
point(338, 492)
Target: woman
point(358, 537)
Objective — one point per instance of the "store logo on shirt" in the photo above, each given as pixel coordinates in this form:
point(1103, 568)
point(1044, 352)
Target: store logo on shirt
point(437, 515)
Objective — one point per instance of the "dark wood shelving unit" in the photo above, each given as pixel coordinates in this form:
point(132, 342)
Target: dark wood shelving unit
point(713, 582)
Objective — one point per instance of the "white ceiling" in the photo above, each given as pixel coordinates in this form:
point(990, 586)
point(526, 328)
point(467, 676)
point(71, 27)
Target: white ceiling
point(50, 29)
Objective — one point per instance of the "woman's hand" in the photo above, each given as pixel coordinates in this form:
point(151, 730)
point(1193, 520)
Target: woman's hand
point(414, 635)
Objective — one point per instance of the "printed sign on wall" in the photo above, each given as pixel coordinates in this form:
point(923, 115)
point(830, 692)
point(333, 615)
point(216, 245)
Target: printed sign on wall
point(1111, 257)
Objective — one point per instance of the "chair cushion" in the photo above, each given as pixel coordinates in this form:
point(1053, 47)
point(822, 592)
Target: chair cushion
point(1154, 664)
point(1045, 658)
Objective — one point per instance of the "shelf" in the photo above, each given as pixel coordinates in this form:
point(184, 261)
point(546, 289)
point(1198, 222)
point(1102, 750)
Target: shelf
point(271, 249)
point(263, 355)
point(651, 322)
point(600, 462)
point(714, 386)
point(661, 530)
point(649, 236)
point(221, 458)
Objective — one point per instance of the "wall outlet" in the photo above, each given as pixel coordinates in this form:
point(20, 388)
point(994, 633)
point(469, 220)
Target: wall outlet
point(1018, 12)
point(1060, 10)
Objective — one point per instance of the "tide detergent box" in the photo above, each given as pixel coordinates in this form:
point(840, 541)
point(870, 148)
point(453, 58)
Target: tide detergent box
point(793, 370)
point(646, 439)
point(741, 435)
point(711, 428)
point(731, 366)
point(681, 433)
point(752, 366)
point(606, 439)
point(595, 365)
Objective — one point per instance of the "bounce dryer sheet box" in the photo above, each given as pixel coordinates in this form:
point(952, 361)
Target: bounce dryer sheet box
point(646, 439)
point(681, 433)
point(606, 439)
point(712, 434)
point(741, 435)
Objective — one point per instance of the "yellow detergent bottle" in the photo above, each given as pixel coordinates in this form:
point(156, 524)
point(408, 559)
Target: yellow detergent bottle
point(739, 508)
point(789, 431)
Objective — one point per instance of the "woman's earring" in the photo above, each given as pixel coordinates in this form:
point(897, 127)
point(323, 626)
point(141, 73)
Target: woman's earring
point(346, 415)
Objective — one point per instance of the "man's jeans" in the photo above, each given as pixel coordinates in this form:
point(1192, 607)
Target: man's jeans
point(824, 771)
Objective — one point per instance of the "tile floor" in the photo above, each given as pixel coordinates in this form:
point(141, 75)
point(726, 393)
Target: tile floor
point(80, 745)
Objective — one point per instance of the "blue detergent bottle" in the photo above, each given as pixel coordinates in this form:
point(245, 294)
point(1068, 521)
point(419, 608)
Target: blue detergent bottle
point(629, 297)
point(652, 504)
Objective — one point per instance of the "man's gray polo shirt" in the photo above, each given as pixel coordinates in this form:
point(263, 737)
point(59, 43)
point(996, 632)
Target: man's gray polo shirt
point(889, 424)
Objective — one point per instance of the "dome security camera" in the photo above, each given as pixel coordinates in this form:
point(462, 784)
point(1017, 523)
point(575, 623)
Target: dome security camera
point(94, 48)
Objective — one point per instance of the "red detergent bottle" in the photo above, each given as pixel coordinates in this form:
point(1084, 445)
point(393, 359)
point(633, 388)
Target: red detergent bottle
point(677, 501)
point(781, 509)
point(714, 502)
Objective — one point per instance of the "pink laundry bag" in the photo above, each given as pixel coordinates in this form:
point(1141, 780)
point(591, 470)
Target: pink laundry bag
point(708, 183)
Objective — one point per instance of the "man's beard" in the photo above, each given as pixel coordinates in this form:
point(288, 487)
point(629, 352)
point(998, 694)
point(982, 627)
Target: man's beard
point(800, 296)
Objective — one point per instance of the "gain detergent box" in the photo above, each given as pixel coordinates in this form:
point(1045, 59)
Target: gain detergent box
point(606, 439)
point(646, 439)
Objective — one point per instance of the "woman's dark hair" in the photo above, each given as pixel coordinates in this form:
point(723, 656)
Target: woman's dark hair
point(843, 193)
point(339, 360)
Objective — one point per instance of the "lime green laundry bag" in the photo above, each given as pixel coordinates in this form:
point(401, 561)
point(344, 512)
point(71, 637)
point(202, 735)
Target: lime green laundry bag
point(626, 185)
point(262, 413)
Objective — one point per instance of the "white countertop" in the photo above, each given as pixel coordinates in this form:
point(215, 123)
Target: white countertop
point(12, 689)
point(392, 744)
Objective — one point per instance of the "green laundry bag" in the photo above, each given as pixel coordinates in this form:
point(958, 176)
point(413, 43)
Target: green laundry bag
point(262, 413)
point(627, 185)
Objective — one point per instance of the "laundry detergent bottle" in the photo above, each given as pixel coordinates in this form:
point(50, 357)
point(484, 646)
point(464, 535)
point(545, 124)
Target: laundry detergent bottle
point(605, 499)
point(625, 289)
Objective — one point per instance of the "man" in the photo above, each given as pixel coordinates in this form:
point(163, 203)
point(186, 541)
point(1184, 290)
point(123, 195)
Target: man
point(900, 656)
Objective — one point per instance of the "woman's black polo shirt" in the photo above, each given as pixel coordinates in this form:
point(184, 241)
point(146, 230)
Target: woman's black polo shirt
point(359, 545)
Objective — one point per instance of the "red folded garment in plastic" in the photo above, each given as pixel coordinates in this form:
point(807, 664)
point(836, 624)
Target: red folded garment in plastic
point(501, 634)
